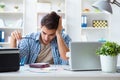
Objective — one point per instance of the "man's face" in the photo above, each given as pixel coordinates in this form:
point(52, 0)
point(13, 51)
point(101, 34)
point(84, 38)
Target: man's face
point(47, 34)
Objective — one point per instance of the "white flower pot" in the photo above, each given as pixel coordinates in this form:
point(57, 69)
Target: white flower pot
point(1, 9)
point(108, 63)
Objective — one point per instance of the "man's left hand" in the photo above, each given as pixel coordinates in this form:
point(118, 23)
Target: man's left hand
point(59, 29)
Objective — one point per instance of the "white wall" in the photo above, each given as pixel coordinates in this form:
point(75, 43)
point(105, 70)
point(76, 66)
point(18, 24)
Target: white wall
point(73, 9)
point(115, 23)
point(30, 16)
point(115, 26)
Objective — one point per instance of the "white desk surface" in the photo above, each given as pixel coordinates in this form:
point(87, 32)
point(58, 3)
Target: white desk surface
point(56, 72)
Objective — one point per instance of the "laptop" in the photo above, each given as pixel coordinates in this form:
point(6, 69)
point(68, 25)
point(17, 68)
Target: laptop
point(83, 56)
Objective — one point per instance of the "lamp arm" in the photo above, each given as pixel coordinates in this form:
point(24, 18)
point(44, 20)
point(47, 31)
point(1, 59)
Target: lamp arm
point(116, 2)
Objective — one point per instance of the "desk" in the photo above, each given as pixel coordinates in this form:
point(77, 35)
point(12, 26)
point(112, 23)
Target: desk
point(57, 72)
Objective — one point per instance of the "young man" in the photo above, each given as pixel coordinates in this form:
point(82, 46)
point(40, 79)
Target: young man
point(49, 45)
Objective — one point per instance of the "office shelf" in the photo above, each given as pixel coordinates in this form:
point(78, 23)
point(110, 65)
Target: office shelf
point(74, 21)
point(12, 18)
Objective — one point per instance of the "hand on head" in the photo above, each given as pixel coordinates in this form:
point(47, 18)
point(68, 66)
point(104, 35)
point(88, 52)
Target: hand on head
point(59, 29)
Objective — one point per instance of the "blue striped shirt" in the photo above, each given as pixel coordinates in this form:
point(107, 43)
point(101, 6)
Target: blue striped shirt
point(30, 47)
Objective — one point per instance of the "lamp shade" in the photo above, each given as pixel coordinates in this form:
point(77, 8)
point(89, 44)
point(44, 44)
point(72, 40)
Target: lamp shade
point(103, 5)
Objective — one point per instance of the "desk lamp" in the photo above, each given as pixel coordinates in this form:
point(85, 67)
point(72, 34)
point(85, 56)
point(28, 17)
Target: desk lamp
point(104, 5)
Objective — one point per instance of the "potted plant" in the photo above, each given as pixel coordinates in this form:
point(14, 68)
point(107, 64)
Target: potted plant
point(2, 6)
point(16, 8)
point(108, 55)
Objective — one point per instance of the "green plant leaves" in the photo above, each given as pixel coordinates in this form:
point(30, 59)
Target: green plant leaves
point(109, 48)
point(2, 5)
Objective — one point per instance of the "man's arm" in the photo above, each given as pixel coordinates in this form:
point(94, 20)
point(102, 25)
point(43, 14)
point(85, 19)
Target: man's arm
point(61, 44)
point(62, 47)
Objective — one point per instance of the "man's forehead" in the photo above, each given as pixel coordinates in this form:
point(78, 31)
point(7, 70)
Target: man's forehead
point(48, 31)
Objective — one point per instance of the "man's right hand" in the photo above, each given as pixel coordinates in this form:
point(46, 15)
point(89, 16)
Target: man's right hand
point(15, 36)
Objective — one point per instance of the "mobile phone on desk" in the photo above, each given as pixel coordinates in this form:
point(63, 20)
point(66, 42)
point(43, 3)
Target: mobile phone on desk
point(39, 65)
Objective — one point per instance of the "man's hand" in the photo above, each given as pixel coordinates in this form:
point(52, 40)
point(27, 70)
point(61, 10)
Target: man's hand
point(59, 29)
point(15, 36)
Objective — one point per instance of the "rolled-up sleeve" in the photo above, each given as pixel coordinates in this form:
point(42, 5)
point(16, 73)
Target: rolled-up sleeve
point(67, 40)
point(24, 49)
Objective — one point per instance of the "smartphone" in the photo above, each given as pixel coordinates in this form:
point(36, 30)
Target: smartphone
point(39, 65)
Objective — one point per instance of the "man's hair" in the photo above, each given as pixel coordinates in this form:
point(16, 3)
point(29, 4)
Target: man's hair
point(51, 20)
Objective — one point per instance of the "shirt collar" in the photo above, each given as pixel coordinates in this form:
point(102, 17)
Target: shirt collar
point(37, 36)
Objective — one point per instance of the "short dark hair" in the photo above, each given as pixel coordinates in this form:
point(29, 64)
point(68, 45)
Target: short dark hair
point(50, 20)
